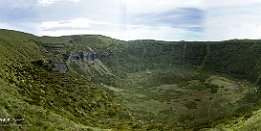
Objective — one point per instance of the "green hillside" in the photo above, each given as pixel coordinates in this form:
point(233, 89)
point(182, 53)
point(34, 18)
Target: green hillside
point(34, 97)
point(93, 82)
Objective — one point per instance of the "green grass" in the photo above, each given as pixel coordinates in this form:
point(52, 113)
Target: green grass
point(49, 100)
point(173, 103)
point(134, 85)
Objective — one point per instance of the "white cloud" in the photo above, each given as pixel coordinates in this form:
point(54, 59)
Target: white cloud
point(229, 3)
point(132, 33)
point(78, 26)
point(120, 31)
point(49, 2)
point(161, 33)
point(79, 22)
point(223, 19)
point(229, 23)
point(157, 6)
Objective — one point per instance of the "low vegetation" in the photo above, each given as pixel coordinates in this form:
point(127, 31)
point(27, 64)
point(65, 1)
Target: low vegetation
point(132, 85)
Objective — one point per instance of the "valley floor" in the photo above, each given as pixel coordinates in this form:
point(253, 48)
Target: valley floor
point(192, 99)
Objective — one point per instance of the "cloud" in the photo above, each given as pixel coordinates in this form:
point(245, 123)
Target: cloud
point(131, 32)
point(49, 2)
point(185, 18)
point(229, 3)
point(160, 33)
point(120, 31)
point(102, 10)
point(77, 26)
point(157, 6)
point(125, 19)
point(234, 22)
point(80, 22)
point(136, 19)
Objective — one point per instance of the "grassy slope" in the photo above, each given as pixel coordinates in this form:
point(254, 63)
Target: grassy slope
point(246, 123)
point(191, 100)
point(135, 62)
point(237, 58)
point(37, 98)
point(129, 59)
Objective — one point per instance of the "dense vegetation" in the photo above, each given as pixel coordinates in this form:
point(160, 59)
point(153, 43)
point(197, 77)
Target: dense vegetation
point(34, 97)
point(143, 84)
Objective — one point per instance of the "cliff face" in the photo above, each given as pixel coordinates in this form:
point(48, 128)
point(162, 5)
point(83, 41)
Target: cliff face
point(85, 56)
point(240, 59)
point(59, 65)
point(87, 64)
point(75, 97)
point(237, 58)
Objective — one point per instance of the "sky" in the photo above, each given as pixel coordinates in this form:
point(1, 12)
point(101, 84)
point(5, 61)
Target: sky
point(170, 20)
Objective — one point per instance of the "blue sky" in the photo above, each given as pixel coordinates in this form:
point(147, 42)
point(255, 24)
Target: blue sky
point(136, 19)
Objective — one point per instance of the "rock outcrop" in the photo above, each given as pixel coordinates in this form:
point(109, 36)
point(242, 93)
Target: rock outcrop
point(59, 66)
point(84, 56)
point(86, 63)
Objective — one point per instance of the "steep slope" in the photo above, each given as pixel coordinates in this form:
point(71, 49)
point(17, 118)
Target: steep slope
point(33, 97)
point(144, 68)
point(249, 122)
point(239, 59)
point(96, 82)
point(162, 82)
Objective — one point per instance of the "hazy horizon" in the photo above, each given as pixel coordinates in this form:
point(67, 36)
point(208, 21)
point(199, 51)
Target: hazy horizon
point(168, 20)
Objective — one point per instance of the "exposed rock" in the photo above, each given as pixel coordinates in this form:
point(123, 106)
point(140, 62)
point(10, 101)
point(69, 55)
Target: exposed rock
point(89, 56)
point(87, 64)
point(74, 57)
point(59, 66)
point(85, 56)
